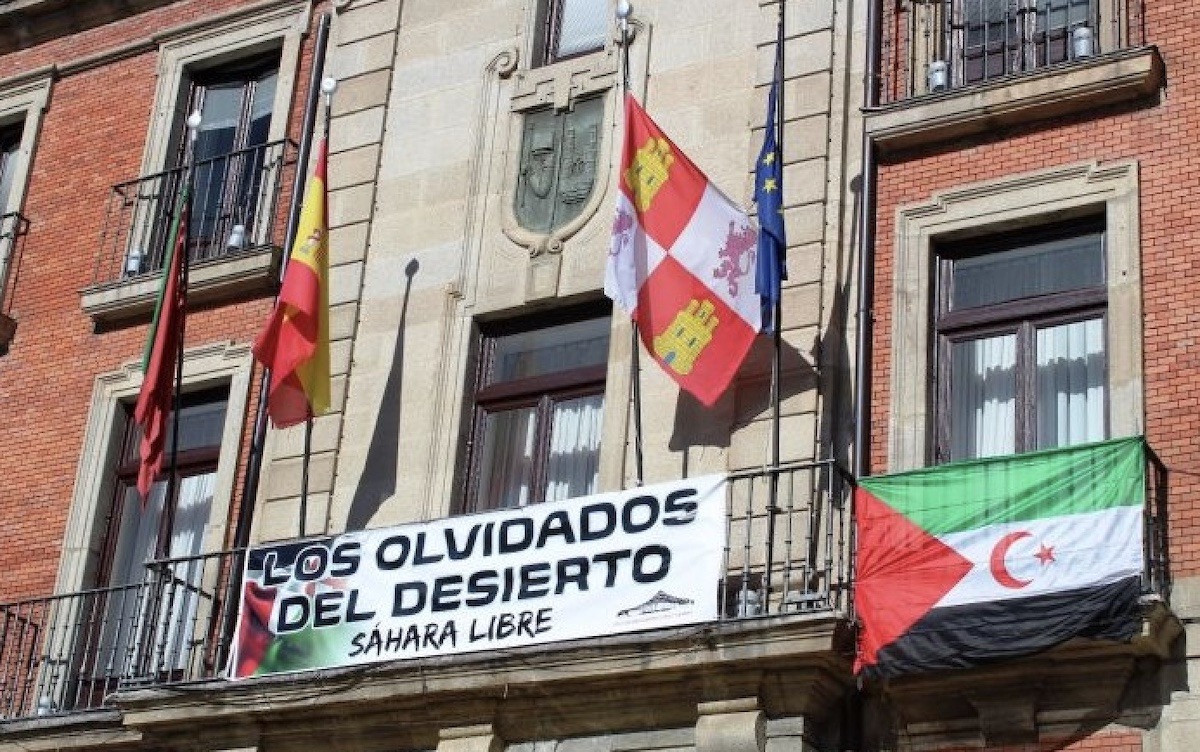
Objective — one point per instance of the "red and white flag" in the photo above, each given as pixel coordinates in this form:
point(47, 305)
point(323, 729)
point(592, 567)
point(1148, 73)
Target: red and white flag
point(682, 262)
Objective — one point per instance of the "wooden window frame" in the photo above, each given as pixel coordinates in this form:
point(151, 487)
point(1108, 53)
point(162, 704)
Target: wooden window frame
point(541, 392)
point(187, 463)
point(1021, 317)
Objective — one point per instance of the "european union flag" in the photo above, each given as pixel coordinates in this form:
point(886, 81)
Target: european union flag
point(768, 194)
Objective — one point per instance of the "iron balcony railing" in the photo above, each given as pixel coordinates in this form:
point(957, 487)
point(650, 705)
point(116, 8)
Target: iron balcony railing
point(13, 227)
point(935, 45)
point(69, 653)
point(235, 208)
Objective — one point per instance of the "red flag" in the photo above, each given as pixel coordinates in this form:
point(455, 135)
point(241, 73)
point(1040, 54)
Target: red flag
point(160, 359)
point(682, 262)
point(295, 342)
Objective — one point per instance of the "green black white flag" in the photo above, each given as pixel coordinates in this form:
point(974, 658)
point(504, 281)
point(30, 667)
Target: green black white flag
point(977, 561)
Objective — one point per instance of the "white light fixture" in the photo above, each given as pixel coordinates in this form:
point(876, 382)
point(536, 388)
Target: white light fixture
point(133, 262)
point(938, 75)
point(749, 603)
point(1082, 42)
point(237, 238)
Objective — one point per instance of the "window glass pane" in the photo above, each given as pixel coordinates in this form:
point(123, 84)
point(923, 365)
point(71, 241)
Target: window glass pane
point(574, 463)
point(138, 534)
point(260, 109)
point(583, 27)
point(1060, 14)
point(10, 142)
point(552, 350)
point(983, 397)
point(200, 427)
point(507, 461)
point(1071, 376)
point(1038, 269)
point(219, 117)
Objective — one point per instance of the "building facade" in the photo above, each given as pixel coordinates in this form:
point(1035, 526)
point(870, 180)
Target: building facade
point(1031, 289)
point(474, 154)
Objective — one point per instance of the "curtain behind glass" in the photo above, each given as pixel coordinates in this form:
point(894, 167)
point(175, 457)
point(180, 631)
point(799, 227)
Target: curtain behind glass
point(507, 458)
point(1071, 375)
point(983, 397)
point(574, 448)
point(8, 166)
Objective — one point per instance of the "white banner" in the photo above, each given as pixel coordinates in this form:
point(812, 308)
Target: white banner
point(605, 564)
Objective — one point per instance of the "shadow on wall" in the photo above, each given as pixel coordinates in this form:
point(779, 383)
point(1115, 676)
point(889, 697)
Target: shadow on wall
point(377, 483)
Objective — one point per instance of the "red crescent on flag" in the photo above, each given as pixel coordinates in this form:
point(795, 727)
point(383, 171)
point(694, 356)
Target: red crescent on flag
point(999, 568)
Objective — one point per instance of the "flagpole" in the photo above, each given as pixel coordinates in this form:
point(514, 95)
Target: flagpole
point(241, 535)
point(624, 10)
point(328, 85)
point(777, 319)
point(168, 520)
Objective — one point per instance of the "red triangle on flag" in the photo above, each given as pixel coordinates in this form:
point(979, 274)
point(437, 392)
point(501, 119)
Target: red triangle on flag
point(902, 572)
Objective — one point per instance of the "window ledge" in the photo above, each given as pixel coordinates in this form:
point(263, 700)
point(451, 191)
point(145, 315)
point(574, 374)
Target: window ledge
point(1051, 92)
point(209, 282)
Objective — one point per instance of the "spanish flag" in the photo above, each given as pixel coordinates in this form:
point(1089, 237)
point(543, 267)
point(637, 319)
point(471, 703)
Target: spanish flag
point(295, 342)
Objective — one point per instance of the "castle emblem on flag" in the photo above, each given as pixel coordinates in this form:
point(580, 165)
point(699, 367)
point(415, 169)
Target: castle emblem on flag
point(736, 257)
point(687, 336)
point(649, 172)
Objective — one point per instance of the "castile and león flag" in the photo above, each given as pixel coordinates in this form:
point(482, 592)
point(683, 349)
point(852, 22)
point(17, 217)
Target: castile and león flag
point(682, 262)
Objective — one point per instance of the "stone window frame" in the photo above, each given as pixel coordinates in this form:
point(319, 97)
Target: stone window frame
point(227, 38)
point(1000, 205)
point(23, 100)
point(231, 38)
point(222, 363)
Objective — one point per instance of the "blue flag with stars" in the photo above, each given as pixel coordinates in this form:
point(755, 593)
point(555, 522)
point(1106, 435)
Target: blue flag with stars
point(768, 194)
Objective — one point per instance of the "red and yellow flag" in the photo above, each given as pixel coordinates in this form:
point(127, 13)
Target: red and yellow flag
point(295, 342)
point(682, 262)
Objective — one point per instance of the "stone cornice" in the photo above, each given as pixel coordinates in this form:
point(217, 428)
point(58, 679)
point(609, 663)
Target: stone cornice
point(794, 664)
point(1054, 91)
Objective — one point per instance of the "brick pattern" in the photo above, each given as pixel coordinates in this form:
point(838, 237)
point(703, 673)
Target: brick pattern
point(1163, 134)
point(92, 137)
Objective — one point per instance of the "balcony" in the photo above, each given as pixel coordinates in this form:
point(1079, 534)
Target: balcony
point(13, 228)
point(953, 68)
point(66, 654)
point(235, 234)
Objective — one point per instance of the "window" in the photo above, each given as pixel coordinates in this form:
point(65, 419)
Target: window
point(570, 28)
point(1002, 36)
point(135, 534)
point(162, 528)
point(230, 154)
point(1021, 342)
point(538, 404)
point(10, 144)
point(942, 229)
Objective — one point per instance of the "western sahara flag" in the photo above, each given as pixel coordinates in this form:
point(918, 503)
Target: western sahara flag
point(977, 561)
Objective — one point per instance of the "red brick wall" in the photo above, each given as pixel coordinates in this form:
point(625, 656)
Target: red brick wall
point(92, 137)
point(1164, 136)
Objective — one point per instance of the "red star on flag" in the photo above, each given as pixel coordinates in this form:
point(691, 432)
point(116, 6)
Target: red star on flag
point(1045, 554)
